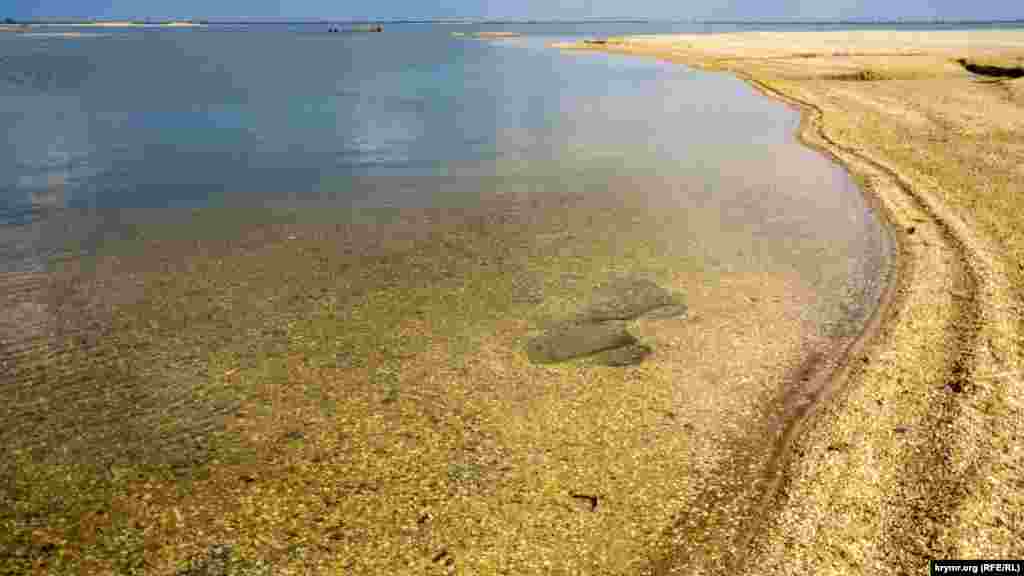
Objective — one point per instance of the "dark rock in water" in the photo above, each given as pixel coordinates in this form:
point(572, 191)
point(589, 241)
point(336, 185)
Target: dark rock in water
point(626, 299)
point(625, 356)
point(600, 327)
point(572, 340)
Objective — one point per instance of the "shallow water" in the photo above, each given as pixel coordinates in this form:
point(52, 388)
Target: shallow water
point(277, 117)
point(202, 228)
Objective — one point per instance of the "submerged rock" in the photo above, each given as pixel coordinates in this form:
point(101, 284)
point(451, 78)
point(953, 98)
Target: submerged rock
point(568, 341)
point(600, 327)
point(626, 299)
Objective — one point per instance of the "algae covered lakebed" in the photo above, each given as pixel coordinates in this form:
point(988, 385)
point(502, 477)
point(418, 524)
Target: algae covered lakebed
point(305, 346)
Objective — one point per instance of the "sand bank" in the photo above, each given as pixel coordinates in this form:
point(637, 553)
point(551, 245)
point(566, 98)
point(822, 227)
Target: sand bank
point(914, 450)
point(104, 24)
point(125, 24)
point(64, 35)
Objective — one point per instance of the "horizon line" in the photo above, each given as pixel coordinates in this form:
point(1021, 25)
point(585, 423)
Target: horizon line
point(482, 20)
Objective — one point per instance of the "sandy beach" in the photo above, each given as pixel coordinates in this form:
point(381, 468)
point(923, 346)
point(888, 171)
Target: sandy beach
point(914, 448)
point(399, 394)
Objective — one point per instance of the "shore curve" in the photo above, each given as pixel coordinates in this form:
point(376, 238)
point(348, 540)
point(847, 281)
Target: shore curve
point(866, 474)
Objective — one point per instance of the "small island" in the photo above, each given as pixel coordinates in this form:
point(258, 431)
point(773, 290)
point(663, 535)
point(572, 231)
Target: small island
point(11, 25)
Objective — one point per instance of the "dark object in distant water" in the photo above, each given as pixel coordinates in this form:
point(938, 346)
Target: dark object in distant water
point(374, 28)
point(989, 70)
point(10, 21)
point(377, 28)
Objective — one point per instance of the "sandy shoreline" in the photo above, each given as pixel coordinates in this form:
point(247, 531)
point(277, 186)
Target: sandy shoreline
point(913, 451)
point(311, 397)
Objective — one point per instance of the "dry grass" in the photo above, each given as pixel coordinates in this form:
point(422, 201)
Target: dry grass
point(917, 453)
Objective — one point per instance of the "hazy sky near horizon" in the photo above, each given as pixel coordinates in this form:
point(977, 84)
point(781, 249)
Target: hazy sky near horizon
point(537, 9)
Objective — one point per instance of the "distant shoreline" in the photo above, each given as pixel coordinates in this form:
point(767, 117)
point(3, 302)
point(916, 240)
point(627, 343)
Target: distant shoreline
point(472, 21)
point(122, 24)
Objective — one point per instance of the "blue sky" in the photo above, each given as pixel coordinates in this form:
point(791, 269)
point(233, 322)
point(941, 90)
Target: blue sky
point(539, 9)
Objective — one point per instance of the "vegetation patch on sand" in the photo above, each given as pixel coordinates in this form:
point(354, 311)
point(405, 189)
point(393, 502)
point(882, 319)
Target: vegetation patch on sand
point(999, 68)
point(914, 451)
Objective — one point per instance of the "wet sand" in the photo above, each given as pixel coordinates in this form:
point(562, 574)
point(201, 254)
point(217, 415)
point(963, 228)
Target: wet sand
point(914, 450)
